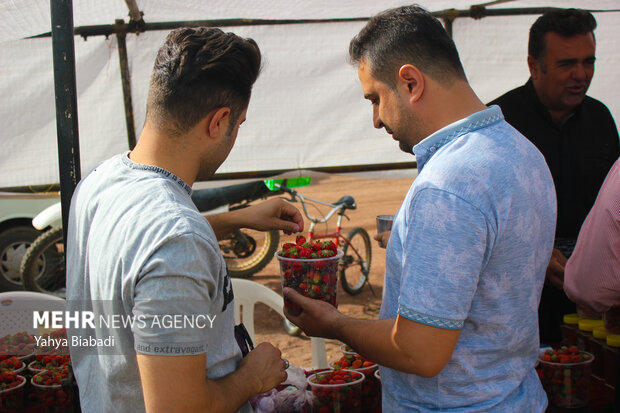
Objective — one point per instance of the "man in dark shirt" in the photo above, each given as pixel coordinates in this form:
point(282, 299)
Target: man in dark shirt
point(576, 134)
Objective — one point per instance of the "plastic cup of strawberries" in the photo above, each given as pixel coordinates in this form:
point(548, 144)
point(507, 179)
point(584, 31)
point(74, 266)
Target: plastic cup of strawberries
point(19, 344)
point(371, 387)
point(336, 391)
point(49, 392)
point(565, 376)
point(11, 391)
point(311, 269)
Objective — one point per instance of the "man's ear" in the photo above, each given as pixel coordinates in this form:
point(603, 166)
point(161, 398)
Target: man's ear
point(218, 124)
point(412, 80)
point(534, 65)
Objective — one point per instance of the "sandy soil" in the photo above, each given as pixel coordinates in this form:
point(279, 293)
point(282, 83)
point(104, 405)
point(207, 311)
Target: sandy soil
point(373, 197)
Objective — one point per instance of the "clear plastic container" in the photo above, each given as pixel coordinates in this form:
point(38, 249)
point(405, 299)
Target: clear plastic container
point(12, 400)
point(347, 351)
point(567, 384)
point(371, 387)
point(51, 398)
point(341, 397)
point(599, 335)
point(569, 329)
point(585, 312)
point(586, 326)
point(312, 277)
point(612, 320)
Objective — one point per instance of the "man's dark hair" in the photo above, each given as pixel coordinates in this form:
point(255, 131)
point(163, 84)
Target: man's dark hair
point(198, 70)
point(565, 22)
point(403, 35)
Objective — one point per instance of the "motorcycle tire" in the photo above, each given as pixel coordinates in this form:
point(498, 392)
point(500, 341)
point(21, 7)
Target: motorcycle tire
point(353, 278)
point(266, 244)
point(52, 278)
point(14, 242)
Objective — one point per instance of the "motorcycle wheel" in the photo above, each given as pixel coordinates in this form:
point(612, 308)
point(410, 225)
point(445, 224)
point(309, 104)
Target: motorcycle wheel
point(47, 276)
point(355, 266)
point(245, 262)
point(14, 242)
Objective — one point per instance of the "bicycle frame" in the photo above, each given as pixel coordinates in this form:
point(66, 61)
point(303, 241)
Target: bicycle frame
point(336, 235)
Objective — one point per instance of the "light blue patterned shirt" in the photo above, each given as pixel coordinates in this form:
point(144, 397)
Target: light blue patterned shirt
point(468, 250)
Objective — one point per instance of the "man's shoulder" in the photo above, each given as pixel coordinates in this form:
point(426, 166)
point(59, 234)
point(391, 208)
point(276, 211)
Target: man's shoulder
point(514, 96)
point(594, 104)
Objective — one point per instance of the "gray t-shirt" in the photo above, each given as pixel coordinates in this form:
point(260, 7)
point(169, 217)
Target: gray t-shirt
point(146, 265)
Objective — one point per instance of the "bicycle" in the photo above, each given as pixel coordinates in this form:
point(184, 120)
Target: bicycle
point(354, 266)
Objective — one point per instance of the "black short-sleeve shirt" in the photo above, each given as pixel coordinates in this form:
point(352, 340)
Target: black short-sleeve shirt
point(579, 152)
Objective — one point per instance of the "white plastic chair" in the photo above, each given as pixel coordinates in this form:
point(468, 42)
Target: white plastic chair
point(16, 308)
point(248, 293)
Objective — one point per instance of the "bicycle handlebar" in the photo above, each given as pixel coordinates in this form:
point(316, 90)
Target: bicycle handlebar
point(297, 195)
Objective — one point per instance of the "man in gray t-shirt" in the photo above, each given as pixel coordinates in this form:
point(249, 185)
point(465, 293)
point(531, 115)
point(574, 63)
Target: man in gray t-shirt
point(146, 265)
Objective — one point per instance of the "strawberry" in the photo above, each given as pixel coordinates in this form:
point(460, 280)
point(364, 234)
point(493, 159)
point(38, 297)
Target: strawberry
point(305, 252)
point(329, 245)
point(317, 246)
point(288, 245)
point(300, 239)
point(327, 253)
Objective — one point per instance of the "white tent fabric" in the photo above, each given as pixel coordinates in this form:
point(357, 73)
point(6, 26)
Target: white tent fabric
point(307, 108)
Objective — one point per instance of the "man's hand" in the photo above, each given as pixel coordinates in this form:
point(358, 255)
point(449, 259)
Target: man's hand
point(383, 238)
point(264, 365)
point(555, 269)
point(317, 318)
point(275, 213)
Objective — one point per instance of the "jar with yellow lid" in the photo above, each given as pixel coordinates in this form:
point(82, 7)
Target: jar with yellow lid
point(569, 329)
point(611, 318)
point(598, 340)
point(611, 349)
point(586, 326)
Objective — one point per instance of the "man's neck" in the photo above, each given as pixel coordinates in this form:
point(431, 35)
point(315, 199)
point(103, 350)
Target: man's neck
point(453, 104)
point(159, 149)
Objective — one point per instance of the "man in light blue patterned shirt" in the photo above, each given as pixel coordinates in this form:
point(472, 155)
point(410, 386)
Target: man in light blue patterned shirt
point(466, 260)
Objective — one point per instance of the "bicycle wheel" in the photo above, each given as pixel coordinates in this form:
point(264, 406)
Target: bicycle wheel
point(355, 263)
point(247, 252)
point(51, 277)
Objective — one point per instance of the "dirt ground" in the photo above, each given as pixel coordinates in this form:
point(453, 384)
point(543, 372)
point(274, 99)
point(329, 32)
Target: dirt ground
point(373, 197)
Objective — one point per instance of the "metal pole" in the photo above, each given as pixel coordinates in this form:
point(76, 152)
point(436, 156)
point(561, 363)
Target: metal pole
point(126, 83)
point(66, 103)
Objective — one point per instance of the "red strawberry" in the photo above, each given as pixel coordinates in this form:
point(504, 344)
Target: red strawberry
point(288, 245)
point(329, 245)
point(317, 246)
point(300, 239)
point(292, 251)
point(305, 252)
point(327, 253)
